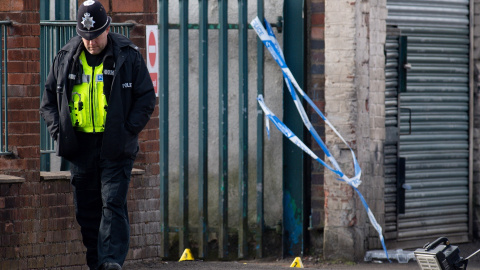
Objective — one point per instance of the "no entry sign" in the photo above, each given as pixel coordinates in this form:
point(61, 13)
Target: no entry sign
point(152, 49)
point(152, 54)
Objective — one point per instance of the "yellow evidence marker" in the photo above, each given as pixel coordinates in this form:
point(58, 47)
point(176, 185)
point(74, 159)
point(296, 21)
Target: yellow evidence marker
point(297, 263)
point(186, 256)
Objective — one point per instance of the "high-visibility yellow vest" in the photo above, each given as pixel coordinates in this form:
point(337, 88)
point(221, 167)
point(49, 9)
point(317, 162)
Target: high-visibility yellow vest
point(88, 106)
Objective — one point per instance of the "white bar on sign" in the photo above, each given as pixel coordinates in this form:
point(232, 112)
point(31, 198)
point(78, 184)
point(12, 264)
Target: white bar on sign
point(151, 49)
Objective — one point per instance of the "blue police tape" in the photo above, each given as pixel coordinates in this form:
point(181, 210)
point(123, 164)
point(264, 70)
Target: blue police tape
point(288, 133)
point(269, 40)
point(292, 137)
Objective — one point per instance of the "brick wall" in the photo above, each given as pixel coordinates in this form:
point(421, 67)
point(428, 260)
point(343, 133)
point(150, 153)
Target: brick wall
point(340, 211)
point(23, 90)
point(37, 223)
point(370, 127)
point(354, 103)
point(315, 21)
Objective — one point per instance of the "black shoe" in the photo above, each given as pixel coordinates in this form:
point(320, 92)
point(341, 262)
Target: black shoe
point(110, 266)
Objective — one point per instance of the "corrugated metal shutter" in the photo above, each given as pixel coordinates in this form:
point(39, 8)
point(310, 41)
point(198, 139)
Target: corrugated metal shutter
point(391, 126)
point(437, 94)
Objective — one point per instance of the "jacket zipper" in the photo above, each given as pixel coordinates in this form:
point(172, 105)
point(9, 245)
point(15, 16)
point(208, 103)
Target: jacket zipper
point(92, 98)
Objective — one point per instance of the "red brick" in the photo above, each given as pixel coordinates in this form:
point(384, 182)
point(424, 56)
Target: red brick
point(149, 146)
point(5, 6)
point(127, 6)
point(140, 42)
point(23, 128)
point(318, 19)
point(320, 104)
point(16, 103)
point(318, 7)
point(149, 135)
point(33, 90)
point(15, 17)
point(32, 263)
point(34, 67)
point(317, 57)
point(17, 66)
point(16, 54)
point(31, 17)
point(15, 42)
point(317, 178)
point(24, 116)
point(317, 218)
point(318, 33)
point(13, 164)
point(16, 90)
point(23, 54)
point(18, 29)
point(32, 42)
point(10, 202)
point(152, 124)
point(24, 152)
point(11, 5)
point(9, 229)
point(150, 6)
point(32, 5)
point(17, 78)
point(35, 54)
point(153, 169)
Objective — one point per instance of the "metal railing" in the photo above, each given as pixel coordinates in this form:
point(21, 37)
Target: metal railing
point(53, 36)
point(3, 88)
point(184, 229)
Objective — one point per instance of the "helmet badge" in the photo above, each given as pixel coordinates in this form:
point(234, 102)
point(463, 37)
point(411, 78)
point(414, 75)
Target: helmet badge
point(87, 21)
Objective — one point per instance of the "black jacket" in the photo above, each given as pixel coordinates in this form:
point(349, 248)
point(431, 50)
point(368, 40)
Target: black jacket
point(131, 99)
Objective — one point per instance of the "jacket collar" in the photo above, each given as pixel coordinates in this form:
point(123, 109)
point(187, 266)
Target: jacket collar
point(118, 43)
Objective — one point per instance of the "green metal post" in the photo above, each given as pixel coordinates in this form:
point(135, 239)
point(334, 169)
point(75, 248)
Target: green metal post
point(260, 147)
point(223, 128)
point(45, 137)
point(5, 84)
point(203, 130)
point(183, 174)
point(294, 223)
point(44, 9)
point(210, 26)
point(243, 128)
point(163, 119)
point(2, 74)
point(62, 10)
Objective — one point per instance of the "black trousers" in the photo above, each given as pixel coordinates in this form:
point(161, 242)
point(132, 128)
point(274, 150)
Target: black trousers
point(100, 197)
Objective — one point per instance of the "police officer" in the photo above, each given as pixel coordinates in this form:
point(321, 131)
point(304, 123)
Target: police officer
point(98, 97)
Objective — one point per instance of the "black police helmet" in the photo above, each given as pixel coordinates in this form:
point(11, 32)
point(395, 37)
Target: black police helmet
point(92, 19)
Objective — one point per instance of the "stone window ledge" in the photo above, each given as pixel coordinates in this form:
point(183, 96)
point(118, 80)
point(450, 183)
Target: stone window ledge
point(65, 175)
point(10, 179)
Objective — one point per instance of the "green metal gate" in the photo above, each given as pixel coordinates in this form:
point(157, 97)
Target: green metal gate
point(4, 88)
point(187, 229)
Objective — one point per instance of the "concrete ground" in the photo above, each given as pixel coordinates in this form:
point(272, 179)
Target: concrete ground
point(308, 262)
point(264, 265)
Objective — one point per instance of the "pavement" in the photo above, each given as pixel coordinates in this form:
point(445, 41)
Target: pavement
point(308, 262)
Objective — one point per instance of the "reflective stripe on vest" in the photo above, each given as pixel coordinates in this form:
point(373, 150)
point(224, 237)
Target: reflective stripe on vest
point(88, 106)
